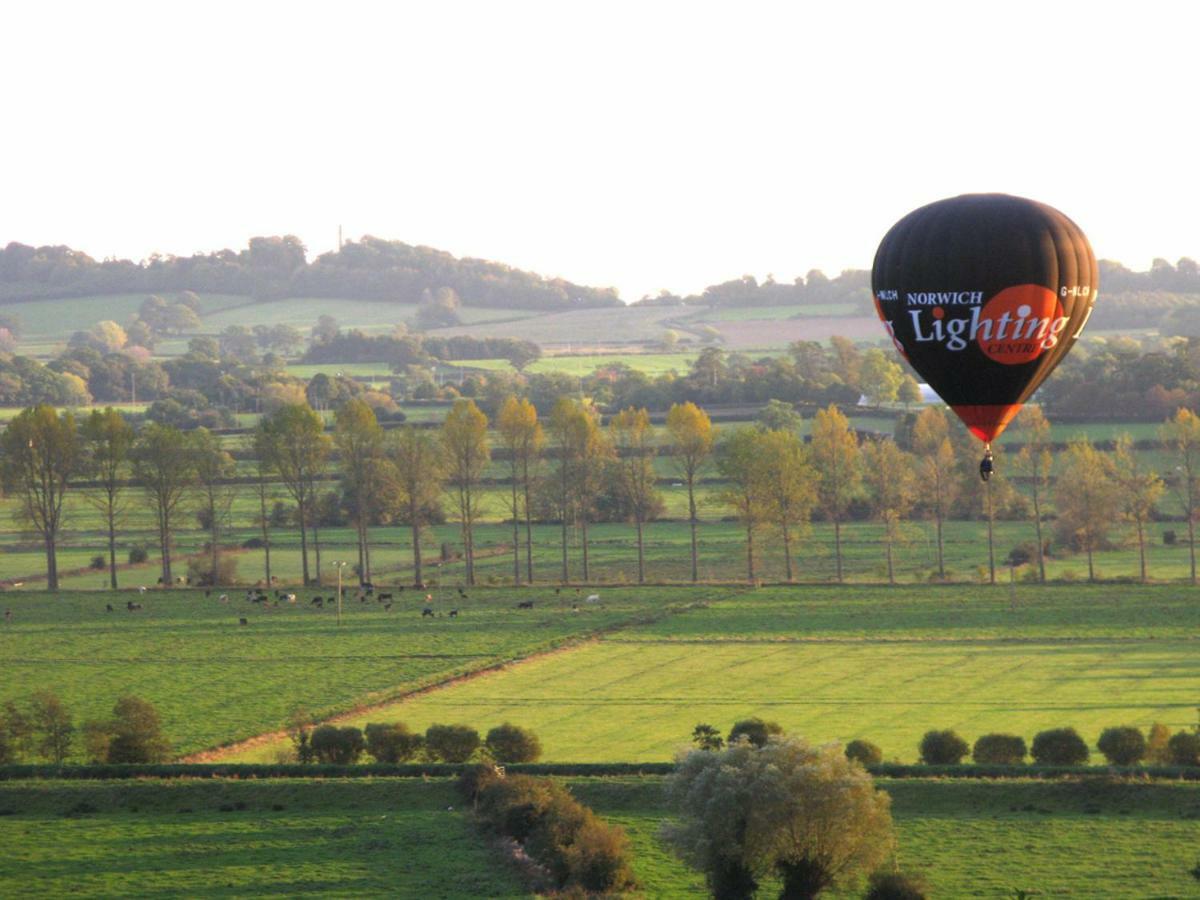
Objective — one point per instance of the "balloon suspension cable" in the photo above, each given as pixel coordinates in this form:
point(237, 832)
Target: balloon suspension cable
point(985, 464)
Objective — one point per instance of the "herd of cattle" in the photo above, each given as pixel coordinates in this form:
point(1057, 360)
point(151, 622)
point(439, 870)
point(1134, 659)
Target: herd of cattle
point(364, 593)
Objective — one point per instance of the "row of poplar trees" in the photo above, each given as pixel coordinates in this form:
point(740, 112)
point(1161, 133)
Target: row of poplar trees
point(770, 477)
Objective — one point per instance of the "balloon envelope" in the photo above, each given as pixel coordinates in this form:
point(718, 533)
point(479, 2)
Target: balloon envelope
point(984, 294)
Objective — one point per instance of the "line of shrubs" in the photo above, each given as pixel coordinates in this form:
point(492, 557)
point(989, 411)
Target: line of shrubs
point(394, 743)
point(1122, 745)
point(574, 849)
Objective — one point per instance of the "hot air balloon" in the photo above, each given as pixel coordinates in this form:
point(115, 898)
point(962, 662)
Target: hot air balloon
point(984, 294)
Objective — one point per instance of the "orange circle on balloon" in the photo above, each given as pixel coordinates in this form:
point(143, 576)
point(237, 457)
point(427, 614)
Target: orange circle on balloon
point(1019, 324)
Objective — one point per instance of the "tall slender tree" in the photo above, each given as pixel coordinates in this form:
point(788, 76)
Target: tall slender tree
point(107, 439)
point(467, 454)
point(633, 440)
point(838, 462)
point(359, 441)
point(1140, 489)
point(262, 469)
point(164, 466)
point(524, 438)
point(417, 467)
point(891, 486)
point(297, 449)
point(40, 451)
point(1087, 499)
point(790, 488)
point(1034, 463)
point(739, 460)
point(581, 451)
point(1181, 434)
point(692, 436)
point(214, 468)
point(938, 488)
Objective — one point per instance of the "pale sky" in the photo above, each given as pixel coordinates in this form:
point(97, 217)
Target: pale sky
point(639, 145)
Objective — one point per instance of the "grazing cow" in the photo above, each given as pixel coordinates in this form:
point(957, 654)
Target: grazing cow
point(224, 598)
point(108, 606)
point(426, 612)
point(243, 621)
point(318, 601)
point(525, 604)
point(142, 588)
point(400, 588)
point(131, 606)
point(383, 598)
point(454, 613)
point(290, 598)
point(593, 598)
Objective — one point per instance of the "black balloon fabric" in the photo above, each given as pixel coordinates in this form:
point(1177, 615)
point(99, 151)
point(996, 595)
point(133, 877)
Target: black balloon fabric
point(984, 294)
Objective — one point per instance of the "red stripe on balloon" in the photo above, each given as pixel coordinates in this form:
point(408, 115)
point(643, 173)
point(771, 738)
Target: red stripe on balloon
point(986, 421)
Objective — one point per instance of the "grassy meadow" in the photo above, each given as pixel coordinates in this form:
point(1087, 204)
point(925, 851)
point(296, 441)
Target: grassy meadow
point(215, 681)
point(1095, 839)
point(836, 664)
point(393, 838)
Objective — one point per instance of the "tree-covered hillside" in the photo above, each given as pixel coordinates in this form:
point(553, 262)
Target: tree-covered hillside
point(277, 267)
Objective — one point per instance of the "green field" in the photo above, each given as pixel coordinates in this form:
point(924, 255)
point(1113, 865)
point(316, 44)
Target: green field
point(977, 838)
point(841, 663)
point(377, 838)
point(410, 838)
point(215, 681)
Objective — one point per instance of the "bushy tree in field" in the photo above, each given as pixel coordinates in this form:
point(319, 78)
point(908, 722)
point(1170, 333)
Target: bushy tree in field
point(392, 742)
point(451, 743)
point(1157, 752)
point(864, 753)
point(706, 737)
point(132, 735)
point(754, 730)
point(1123, 745)
point(1059, 747)
point(1184, 748)
point(888, 885)
point(806, 813)
point(52, 726)
point(513, 744)
point(943, 748)
point(337, 746)
point(999, 750)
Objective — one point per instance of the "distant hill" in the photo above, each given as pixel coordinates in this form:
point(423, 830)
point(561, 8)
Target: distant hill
point(273, 268)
